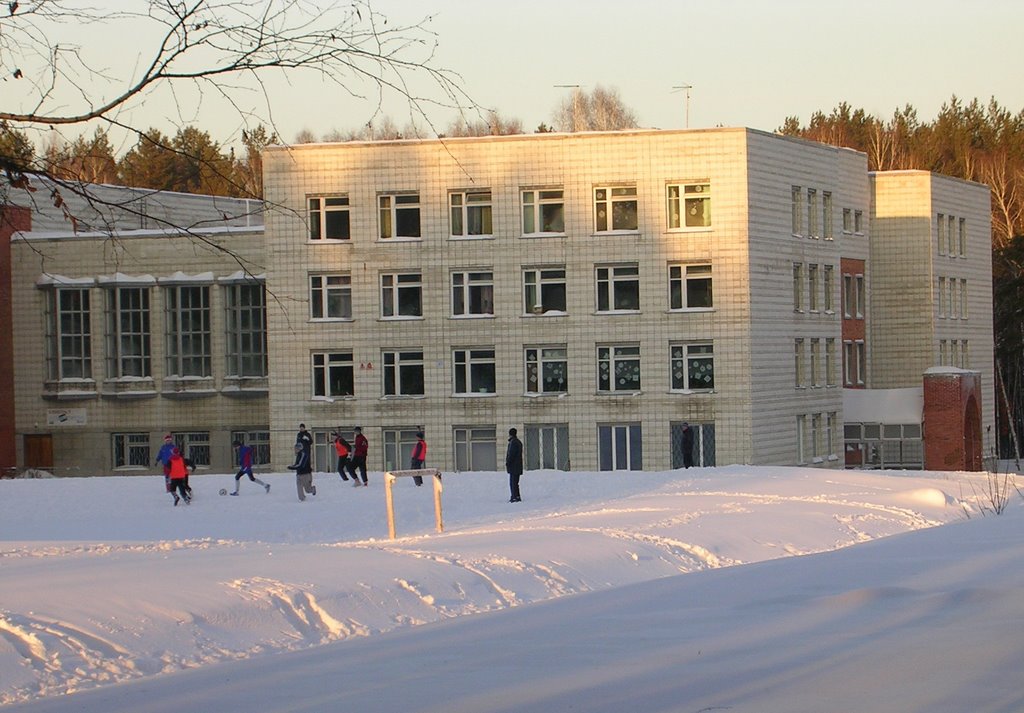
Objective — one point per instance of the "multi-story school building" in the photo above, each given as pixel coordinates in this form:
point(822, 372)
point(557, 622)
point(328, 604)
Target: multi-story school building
point(596, 291)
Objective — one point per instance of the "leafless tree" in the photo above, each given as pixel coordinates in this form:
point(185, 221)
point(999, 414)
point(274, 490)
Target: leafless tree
point(492, 124)
point(600, 110)
point(194, 51)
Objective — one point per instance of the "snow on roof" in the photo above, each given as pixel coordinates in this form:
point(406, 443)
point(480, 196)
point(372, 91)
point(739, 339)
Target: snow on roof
point(890, 406)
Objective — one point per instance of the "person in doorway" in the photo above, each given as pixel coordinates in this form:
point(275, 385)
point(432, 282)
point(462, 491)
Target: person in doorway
point(343, 448)
point(419, 457)
point(245, 466)
point(177, 473)
point(687, 445)
point(514, 464)
point(303, 472)
point(358, 458)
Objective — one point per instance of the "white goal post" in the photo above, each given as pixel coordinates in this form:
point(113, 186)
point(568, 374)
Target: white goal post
point(389, 480)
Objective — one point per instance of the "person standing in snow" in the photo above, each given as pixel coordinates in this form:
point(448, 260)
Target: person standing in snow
point(358, 459)
point(419, 457)
point(304, 438)
point(245, 466)
point(342, 448)
point(177, 473)
point(514, 464)
point(163, 457)
point(303, 472)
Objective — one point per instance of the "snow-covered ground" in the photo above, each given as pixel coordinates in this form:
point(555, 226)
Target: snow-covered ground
point(737, 588)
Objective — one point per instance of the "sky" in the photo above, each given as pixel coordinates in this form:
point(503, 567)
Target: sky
point(748, 62)
point(747, 589)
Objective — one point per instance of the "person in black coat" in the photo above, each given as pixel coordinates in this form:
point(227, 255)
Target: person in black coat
point(687, 445)
point(514, 464)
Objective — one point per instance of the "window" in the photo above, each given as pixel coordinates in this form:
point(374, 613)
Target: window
point(128, 335)
point(816, 435)
point(826, 216)
point(189, 335)
point(546, 446)
point(333, 375)
point(689, 287)
point(689, 205)
point(547, 370)
point(403, 373)
point(828, 278)
point(544, 290)
point(69, 340)
point(799, 357)
point(472, 294)
point(962, 238)
point(815, 366)
point(963, 299)
point(398, 445)
point(812, 213)
point(798, 287)
point(940, 233)
point(862, 362)
point(693, 367)
point(812, 288)
point(618, 288)
point(130, 450)
point(329, 218)
point(246, 322)
point(401, 295)
point(259, 441)
point(831, 419)
point(853, 296)
point(475, 448)
point(858, 222)
point(801, 439)
point(941, 295)
point(953, 302)
point(830, 361)
point(194, 445)
point(471, 213)
point(847, 220)
point(399, 215)
point(615, 209)
point(849, 364)
point(474, 371)
point(330, 296)
point(703, 451)
point(620, 447)
point(618, 368)
point(797, 208)
point(858, 281)
point(951, 234)
point(543, 212)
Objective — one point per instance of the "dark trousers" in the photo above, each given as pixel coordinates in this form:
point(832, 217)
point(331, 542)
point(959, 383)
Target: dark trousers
point(179, 485)
point(513, 485)
point(417, 465)
point(360, 463)
point(342, 463)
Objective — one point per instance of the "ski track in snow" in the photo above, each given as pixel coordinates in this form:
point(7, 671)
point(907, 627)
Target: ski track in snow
point(65, 658)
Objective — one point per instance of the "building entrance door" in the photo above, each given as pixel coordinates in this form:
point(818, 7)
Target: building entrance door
point(38, 450)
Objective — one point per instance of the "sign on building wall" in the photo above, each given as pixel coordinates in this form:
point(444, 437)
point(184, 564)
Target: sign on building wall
point(66, 417)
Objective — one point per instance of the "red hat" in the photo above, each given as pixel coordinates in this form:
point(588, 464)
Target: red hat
point(167, 437)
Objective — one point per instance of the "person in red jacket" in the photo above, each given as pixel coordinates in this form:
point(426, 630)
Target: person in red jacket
point(419, 457)
point(358, 459)
point(178, 472)
point(343, 448)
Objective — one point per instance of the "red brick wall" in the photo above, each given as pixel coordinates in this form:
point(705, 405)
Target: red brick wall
point(12, 219)
point(952, 421)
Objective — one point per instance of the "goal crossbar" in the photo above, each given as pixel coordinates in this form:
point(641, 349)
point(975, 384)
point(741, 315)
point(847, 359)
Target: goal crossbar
point(389, 480)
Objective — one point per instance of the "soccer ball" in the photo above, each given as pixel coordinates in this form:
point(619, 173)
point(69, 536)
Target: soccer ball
point(223, 491)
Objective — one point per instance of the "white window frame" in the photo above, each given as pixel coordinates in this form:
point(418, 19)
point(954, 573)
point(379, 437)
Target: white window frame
point(398, 367)
point(830, 361)
point(129, 337)
point(848, 220)
point(130, 451)
point(691, 365)
point(324, 366)
point(625, 447)
point(393, 286)
point(798, 287)
point(797, 210)
point(812, 214)
point(812, 288)
point(245, 327)
point(472, 293)
point(544, 365)
point(858, 222)
point(391, 209)
point(609, 280)
point(688, 206)
point(828, 279)
point(827, 229)
point(680, 278)
point(322, 210)
point(471, 214)
point(536, 203)
point(475, 448)
point(608, 204)
point(474, 371)
point(799, 360)
point(613, 359)
point(330, 297)
point(815, 358)
point(199, 359)
point(69, 338)
point(536, 284)
point(962, 238)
